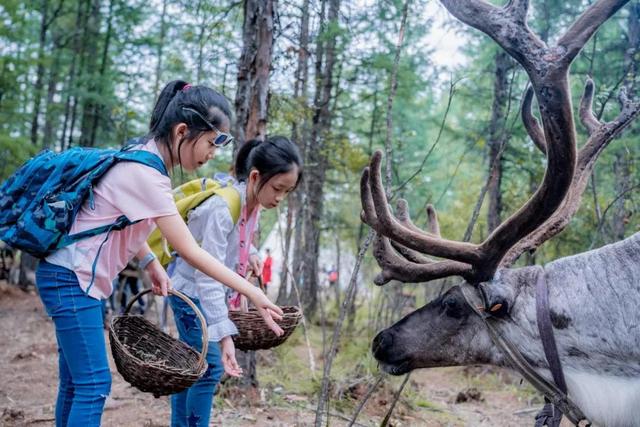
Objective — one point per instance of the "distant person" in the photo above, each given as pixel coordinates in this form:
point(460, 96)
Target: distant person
point(266, 269)
point(265, 173)
point(332, 276)
point(187, 126)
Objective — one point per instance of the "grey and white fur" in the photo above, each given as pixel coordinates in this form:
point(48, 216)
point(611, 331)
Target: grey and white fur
point(594, 302)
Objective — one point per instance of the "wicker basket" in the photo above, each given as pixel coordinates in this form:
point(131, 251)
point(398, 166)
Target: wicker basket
point(152, 360)
point(253, 332)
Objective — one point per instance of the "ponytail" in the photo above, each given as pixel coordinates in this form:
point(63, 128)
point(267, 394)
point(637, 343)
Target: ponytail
point(165, 97)
point(243, 164)
point(199, 107)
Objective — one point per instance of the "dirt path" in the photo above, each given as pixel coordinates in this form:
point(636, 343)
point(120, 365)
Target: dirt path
point(28, 381)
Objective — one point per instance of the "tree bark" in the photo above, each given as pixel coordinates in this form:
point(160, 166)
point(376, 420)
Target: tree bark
point(253, 71)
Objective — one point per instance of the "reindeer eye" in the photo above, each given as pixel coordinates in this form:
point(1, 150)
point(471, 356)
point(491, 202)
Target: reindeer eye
point(499, 309)
point(452, 307)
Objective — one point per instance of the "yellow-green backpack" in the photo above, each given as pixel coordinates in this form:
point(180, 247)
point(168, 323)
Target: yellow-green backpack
point(189, 196)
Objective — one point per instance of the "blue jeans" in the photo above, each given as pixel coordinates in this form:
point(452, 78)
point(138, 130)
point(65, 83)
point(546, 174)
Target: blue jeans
point(85, 379)
point(192, 407)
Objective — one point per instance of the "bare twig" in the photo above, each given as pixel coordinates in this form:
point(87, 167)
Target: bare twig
point(331, 353)
point(372, 388)
point(392, 93)
point(452, 87)
point(387, 417)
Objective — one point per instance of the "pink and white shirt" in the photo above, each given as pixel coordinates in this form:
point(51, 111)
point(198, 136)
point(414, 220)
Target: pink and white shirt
point(132, 189)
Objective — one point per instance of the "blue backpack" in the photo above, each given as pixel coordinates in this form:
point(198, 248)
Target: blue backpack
point(39, 202)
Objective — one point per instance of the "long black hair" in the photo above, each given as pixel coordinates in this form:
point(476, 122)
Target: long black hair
point(173, 106)
point(276, 155)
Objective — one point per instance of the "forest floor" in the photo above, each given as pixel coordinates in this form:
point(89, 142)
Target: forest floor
point(475, 396)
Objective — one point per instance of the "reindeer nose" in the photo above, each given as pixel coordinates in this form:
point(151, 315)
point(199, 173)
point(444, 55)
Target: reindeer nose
point(381, 344)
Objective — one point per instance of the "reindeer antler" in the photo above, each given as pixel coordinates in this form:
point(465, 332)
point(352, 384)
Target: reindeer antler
point(548, 71)
point(600, 135)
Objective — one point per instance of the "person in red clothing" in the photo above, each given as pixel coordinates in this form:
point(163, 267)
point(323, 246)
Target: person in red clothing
point(266, 268)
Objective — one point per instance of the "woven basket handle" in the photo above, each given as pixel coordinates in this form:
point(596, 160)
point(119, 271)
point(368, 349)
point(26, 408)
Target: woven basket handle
point(244, 303)
point(203, 322)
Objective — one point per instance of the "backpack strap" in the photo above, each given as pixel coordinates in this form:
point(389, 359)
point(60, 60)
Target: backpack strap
point(142, 156)
point(229, 194)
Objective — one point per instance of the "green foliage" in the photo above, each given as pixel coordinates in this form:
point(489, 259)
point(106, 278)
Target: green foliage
point(100, 65)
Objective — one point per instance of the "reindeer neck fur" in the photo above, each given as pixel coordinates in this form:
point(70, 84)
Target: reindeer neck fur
point(593, 300)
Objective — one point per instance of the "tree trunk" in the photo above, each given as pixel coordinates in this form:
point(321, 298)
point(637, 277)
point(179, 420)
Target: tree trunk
point(317, 162)
point(623, 182)
point(98, 108)
point(251, 106)
point(71, 80)
point(90, 104)
point(497, 138)
point(253, 71)
point(84, 9)
point(37, 89)
point(50, 115)
point(201, 30)
point(283, 294)
point(295, 205)
point(336, 285)
point(160, 49)
point(622, 167)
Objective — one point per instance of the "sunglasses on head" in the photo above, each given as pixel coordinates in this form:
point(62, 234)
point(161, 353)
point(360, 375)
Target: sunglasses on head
point(222, 139)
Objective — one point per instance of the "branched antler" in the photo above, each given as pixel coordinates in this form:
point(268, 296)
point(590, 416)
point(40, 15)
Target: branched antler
point(601, 134)
point(554, 135)
point(531, 124)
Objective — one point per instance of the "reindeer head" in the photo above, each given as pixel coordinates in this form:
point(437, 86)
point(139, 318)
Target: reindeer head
point(446, 332)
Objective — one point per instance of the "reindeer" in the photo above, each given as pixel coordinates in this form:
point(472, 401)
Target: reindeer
point(497, 316)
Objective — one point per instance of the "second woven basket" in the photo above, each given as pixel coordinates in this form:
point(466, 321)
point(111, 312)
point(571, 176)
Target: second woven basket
point(253, 332)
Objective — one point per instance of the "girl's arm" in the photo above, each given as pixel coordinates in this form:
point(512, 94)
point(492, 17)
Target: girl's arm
point(160, 282)
point(179, 237)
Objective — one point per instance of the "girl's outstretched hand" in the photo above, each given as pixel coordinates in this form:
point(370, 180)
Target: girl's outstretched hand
point(268, 310)
point(160, 282)
point(229, 361)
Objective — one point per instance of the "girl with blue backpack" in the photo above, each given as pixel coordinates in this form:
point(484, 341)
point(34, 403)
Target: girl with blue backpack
point(187, 125)
point(265, 172)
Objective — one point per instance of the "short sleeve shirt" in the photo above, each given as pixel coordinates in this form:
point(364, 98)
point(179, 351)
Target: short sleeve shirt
point(139, 192)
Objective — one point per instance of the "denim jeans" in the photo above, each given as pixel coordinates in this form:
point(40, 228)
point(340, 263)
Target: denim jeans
point(192, 407)
point(85, 379)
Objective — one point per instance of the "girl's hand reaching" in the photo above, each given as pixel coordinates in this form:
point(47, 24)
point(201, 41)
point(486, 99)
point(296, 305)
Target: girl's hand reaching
point(268, 310)
point(229, 361)
point(160, 282)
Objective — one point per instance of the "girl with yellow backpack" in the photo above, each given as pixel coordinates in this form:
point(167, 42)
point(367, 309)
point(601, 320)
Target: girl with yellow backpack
point(265, 172)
